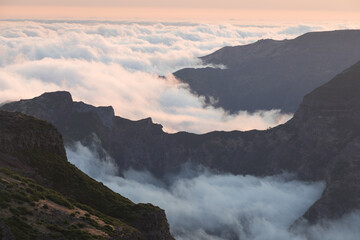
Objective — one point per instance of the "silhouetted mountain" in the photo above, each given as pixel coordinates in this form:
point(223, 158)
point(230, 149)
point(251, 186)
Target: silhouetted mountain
point(321, 142)
point(76, 207)
point(272, 74)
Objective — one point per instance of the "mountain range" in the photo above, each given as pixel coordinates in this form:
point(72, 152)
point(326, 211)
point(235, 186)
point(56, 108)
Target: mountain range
point(272, 74)
point(321, 141)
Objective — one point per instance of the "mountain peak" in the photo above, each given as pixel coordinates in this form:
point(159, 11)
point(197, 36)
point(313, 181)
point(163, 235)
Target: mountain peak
point(63, 95)
point(51, 98)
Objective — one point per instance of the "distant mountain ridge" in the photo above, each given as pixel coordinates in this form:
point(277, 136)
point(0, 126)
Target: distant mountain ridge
point(272, 74)
point(321, 141)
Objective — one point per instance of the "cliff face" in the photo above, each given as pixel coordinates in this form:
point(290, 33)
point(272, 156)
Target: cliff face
point(272, 74)
point(321, 142)
point(19, 132)
point(34, 148)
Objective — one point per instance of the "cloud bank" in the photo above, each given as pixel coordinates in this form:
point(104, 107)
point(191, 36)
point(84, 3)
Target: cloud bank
point(201, 204)
point(119, 63)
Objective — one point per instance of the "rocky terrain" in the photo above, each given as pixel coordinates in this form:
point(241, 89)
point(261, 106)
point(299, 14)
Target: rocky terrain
point(43, 196)
point(30, 211)
point(321, 142)
point(271, 74)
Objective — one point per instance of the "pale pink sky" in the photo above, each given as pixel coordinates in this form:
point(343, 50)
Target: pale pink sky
point(184, 10)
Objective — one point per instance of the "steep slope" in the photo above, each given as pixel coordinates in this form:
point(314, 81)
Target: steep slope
point(30, 211)
point(321, 142)
point(34, 148)
point(272, 74)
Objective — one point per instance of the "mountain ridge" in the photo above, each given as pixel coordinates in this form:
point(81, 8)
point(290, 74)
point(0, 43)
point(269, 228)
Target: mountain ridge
point(272, 74)
point(317, 144)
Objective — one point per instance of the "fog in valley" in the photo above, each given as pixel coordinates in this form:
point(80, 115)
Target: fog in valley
point(201, 204)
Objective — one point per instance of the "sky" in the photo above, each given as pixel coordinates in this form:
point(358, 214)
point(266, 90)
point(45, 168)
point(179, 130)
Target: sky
point(275, 10)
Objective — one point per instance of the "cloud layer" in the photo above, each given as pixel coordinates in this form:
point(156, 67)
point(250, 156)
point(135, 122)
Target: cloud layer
point(119, 63)
point(201, 204)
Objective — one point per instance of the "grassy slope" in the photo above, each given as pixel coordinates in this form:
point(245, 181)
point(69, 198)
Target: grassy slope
point(32, 211)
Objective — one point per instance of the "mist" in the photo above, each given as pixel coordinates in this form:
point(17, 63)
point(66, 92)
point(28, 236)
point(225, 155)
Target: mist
point(119, 64)
point(201, 204)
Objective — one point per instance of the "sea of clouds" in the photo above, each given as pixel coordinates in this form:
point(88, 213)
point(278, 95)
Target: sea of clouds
point(204, 205)
point(119, 64)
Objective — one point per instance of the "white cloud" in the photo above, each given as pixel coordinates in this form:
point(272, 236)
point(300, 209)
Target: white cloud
point(118, 64)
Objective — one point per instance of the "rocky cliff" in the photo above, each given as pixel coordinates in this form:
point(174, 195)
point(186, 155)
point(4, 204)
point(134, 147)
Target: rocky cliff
point(321, 142)
point(271, 74)
point(34, 148)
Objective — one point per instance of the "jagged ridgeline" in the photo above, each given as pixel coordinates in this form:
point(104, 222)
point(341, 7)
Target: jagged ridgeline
point(43, 196)
point(321, 142)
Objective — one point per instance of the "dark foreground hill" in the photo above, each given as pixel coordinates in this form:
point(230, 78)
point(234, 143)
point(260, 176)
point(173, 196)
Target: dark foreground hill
point(43, 196)
point(272, 74)
point(321, 142)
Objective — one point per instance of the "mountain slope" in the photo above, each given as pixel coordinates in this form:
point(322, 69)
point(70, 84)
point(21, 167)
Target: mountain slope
point(321, 142)
point(30, 211)
point(272, 74)
point(34, 148)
